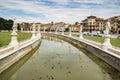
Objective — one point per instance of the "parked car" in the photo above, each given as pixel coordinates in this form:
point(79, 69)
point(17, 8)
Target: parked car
point(85, 33)
point(118, 37)
point(96, 33)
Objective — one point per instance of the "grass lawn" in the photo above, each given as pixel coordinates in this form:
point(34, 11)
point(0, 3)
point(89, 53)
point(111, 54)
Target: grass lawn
point(5, 37)
point(95, 38)
point(113, 41)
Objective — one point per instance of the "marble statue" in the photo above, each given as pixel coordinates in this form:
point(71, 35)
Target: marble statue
point(107, 30)
point(14, 27)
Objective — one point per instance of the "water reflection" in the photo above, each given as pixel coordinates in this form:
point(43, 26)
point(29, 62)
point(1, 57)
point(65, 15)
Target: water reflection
point(58, 60)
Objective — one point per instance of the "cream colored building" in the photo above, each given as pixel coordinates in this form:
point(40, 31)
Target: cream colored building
point(92, 23)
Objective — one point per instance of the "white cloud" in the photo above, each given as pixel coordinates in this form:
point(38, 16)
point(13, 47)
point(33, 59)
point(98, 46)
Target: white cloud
point(89, 1)
point(61, 13)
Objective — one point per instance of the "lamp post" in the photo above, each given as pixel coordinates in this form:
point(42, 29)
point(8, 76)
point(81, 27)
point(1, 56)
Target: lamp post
point(14, 41)
point(107, 43)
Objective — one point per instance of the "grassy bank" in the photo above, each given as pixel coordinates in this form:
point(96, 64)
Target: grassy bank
point(114, 41)
point(5, 37)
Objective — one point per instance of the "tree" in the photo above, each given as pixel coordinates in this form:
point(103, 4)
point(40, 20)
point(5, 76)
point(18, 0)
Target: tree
point(5, 24)
point(18, 26)
point(76, 23)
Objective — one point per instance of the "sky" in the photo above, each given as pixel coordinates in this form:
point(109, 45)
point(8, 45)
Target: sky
point(68, 11)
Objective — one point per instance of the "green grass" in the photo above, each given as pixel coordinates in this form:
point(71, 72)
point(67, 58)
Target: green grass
point(95, 38)
point(114, 41)
point(5, 37)
point(23, 36)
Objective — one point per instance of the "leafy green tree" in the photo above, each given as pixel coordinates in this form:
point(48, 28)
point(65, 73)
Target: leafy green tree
point(18, 26)
point(5, 24)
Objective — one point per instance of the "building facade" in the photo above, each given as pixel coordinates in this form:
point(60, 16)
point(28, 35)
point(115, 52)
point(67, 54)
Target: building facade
point(115, 24)
point(92, 23)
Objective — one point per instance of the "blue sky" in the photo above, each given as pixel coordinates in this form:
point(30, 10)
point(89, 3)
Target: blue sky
point(68, 11)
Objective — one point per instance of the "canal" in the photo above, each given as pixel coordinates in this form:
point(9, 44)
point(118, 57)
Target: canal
point(56, 59)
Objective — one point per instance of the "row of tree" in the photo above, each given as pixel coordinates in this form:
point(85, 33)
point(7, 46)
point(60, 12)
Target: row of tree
point(6, 24)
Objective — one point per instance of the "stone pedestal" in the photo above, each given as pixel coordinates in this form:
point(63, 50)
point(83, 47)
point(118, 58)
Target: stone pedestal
point(81, 35)
point(70, 32)
point(107, 43)
point(44, 30)
point(38, 32)
point(14, 41)
point(62, 32)
point(56, 31)
point(50, 31)
point(33, 34)
point(21, 29)
point(33, 31)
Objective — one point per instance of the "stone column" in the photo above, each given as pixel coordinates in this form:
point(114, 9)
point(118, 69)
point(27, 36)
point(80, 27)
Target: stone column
point(38, 31)
point(107, 43)
point(56, 31)
point(70, 31)
point(80, 34)
point(14, 41)
point(21, 29)
point(62, 31)
point(50, 30)
point(44, 29)
point(33, 31)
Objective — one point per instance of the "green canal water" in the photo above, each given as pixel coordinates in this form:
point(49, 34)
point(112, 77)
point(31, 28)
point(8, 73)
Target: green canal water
point(58, 60)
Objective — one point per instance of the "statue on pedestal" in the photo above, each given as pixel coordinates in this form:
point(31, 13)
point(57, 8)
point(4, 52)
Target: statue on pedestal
point(107, 43)
point(14, 27)
point(81, 36)
point(107, 30)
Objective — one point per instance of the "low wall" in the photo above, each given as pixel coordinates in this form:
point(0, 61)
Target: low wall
point(109, 57)
point(8, 61)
